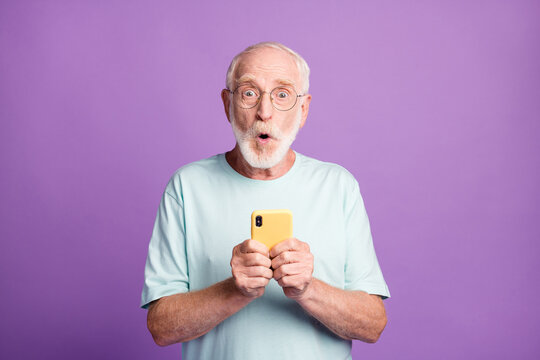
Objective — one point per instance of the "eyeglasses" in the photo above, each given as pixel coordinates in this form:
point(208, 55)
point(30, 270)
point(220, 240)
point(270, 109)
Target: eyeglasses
point(283, 98)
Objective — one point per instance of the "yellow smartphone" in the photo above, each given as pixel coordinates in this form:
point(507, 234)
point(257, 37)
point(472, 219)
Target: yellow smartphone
point(271, 226)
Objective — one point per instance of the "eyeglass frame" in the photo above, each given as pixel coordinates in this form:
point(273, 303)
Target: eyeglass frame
point(271, 101)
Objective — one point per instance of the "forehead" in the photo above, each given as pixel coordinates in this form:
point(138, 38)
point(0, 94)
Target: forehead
point(267, 66)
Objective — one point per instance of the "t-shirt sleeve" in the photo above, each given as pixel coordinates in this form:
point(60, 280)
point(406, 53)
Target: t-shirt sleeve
point(362, 270)
point(166, 271)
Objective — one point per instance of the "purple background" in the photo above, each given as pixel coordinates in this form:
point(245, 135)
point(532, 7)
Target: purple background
point(433, 106)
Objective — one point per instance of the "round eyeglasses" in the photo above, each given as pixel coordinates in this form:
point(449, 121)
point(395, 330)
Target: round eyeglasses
point(283, 98)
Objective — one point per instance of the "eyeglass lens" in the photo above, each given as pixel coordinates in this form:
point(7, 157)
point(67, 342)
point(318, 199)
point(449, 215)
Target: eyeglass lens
point(283, 97)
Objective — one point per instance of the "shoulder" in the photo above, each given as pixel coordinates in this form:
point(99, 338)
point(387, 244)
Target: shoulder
point(194, 172)
point(326, 171)
point(199, 168)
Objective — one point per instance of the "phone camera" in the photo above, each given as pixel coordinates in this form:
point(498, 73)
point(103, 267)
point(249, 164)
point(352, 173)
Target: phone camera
point(258, 221)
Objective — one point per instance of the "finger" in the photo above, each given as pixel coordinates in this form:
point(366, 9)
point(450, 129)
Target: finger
point(259, 271)
point(285, 245)
point(291, 244)
point(256, 259)
point(240, 260)
point(254, 246)
point(293, 281)
point(248, 284)
point(290, 270)
point(285, 257)
point(290, 257)
point(255, 282)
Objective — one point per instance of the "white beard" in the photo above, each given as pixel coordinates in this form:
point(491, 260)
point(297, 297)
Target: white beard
point(261, 156)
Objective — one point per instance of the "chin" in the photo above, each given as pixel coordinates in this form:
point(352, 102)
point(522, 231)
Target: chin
point(262, 158)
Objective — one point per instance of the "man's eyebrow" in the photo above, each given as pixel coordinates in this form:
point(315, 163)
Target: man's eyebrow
point(245, 78)
point(248, 78)
point(285, 82)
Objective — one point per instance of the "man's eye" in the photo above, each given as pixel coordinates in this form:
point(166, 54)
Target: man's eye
point(282, 94)
point(249, 93)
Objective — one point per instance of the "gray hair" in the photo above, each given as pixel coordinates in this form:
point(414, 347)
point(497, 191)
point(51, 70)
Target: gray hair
point(303, 68)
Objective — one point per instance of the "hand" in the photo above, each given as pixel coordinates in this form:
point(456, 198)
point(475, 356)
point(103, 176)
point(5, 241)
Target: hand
point(292, 262)
point(250, 265)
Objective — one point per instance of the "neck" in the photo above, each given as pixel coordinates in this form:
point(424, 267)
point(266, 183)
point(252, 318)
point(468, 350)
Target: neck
point(241, 166)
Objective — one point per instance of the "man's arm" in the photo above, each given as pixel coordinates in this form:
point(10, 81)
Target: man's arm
point(183, 317)
point(349, 314)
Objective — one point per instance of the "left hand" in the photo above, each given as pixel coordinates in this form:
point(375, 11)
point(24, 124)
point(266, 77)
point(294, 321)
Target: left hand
point(292, 262)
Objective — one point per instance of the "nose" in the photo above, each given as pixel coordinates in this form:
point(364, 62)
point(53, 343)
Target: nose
point(265, 107)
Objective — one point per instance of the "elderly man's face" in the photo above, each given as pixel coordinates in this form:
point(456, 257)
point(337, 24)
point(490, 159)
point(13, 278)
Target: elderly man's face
point(264, 134)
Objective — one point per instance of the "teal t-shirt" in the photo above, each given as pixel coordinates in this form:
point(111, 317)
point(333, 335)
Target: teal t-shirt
point(206, 211)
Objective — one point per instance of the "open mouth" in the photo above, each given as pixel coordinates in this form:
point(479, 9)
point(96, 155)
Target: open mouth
point(263, 136)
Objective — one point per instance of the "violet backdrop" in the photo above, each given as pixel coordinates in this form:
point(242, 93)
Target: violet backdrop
point(432, 105)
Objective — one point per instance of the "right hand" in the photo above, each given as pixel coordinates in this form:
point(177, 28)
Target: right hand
point(250, 265)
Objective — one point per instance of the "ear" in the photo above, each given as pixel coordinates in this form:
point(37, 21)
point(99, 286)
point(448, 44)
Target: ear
point(226, 102)
point(305, 109)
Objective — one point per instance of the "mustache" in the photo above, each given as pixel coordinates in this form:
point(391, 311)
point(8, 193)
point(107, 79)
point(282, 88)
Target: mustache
point(260, 127)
